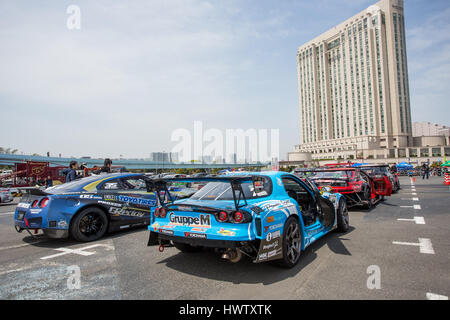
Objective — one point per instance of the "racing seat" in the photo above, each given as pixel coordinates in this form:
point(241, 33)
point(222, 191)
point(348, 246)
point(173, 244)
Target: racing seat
point(308, 213)
point(292, 194)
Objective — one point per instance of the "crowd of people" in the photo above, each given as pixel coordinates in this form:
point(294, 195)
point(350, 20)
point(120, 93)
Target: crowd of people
point(72, 173)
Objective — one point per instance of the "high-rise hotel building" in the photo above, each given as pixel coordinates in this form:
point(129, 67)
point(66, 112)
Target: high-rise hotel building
point(353, 86)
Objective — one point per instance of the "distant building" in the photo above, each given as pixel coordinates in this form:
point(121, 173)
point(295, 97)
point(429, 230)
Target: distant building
point(429, 129)
point(164, 157)
point(353, 86)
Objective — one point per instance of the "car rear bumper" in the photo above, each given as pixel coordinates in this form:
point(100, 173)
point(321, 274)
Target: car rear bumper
point(211, 243)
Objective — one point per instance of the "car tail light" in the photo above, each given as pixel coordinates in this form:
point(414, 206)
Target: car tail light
point(162, 212)
point(35, 203)
point(157, 212)
point(223, 216)
point(44, 202)
point(238, 216)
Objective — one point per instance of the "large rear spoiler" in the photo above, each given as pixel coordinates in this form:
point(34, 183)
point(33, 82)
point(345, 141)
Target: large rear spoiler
point(159, 185)
point(33, 191)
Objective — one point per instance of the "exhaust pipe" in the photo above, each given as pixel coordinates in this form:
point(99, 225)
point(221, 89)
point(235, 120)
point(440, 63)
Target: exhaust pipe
point(232, 255)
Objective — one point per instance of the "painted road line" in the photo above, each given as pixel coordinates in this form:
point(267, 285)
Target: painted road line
point(416, 207)
point(20, 245)
point(6, 213)
point(424, 245)
point(418, 220)
point(434, 296)
point(79, 251)
point(413, 199)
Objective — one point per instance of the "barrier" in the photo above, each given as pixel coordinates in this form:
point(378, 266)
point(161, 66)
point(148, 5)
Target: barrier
point(447, 178)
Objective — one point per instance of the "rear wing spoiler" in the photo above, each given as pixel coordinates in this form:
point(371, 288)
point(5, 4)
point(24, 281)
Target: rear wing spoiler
point(159, 185)
point(33, 191)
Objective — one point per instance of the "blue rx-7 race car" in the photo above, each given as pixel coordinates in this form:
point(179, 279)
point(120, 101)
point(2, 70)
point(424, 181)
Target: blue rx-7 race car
point(265, 216)
point(87, 208)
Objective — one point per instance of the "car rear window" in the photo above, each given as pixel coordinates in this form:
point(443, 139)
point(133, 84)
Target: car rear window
point(333, 175)
point(222, 191)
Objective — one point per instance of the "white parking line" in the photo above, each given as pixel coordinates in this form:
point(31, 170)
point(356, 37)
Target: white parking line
point(6, 213)
point(19, 245)
point(79, 251)
point(416, 207)
point(434, 296)
point(418, 220)
point(413, 199)
point(425, 245)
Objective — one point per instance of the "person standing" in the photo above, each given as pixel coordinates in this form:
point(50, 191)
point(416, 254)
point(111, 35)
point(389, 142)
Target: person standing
point(426, 171)
point(71, 173)
point(106, 166)
point(49, 182)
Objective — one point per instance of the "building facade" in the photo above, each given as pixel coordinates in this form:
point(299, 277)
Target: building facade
point(429, 129)
point(353, 86)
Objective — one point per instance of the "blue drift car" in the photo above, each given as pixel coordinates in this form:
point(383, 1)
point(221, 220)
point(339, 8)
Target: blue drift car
point(87, 208)
point(266, 216)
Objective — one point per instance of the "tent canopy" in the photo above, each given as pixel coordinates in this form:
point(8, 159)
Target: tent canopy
point(446, 164)
point(404, 165)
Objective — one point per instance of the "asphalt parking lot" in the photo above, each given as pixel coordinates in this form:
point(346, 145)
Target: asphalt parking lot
point(398, 250)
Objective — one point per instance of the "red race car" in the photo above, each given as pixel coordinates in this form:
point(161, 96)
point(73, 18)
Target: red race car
point(358, 187)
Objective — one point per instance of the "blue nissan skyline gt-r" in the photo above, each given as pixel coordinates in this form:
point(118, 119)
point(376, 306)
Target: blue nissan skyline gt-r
point(266, 216)
point(87, 208)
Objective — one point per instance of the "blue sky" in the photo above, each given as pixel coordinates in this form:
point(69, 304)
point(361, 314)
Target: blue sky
point(137, 70)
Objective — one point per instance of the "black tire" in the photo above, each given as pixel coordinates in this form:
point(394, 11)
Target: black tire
point(186, 248)
point(343, 219)
point(89, 224)
point(367, 196)
point(291, 243)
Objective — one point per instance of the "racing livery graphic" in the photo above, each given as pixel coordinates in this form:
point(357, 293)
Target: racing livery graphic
point(87, 208)
point(264, 216)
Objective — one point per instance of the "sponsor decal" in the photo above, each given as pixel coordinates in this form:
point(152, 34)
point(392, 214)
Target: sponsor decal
point(195, 235)
point(126, 212)
point(199, 229)
point(163, 231)
point(269, 206)
point(23, 205)
point(225, 232)
point(204, 220)
point(114, 204)
point(155, 226)
point(168, 226)
point(280, 183)
point(262, 256)
point(183, 208)
point(273, 245)
point(270, 219)
point(90, 196)
point(273, 235)
point(62, 223)
point(128, 199)
point(273, 227)
point(35, 211)
point(272, 253)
